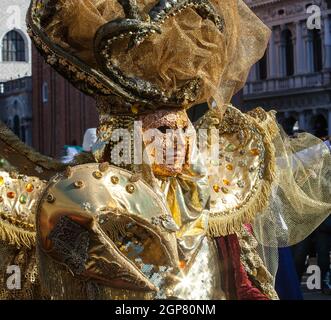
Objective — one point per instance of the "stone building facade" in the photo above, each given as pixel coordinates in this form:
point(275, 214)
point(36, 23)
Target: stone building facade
point(14, 40)
point(294, 76)
point(15, 69)
point(15, 107)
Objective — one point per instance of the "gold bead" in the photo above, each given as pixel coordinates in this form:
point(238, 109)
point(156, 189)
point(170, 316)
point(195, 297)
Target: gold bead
point(226, 182)
point(97, 174)
point(115, 180)
point(2, 181)
point(216, 188)
point(130, 188)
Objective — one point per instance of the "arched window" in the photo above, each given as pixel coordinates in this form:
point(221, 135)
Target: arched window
point(287, 53)
point(13, 47)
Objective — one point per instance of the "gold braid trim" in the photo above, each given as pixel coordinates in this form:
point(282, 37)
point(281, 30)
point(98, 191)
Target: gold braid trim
point(223, 225)
point(254, 266)
point(25, 158)
point(14, 235)
point(267, 121)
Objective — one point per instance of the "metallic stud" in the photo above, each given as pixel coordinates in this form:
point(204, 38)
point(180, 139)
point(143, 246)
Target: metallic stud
point(130, 188)
point(103, 167)
point(216, 188)
point(97, 174)
point(79, 184)
point(50, 198)
point(115, 180)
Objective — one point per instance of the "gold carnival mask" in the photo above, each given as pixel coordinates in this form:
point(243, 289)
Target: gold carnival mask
point(166, 140)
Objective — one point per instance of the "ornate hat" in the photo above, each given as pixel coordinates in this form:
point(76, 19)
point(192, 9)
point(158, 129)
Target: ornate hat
point(149, 53)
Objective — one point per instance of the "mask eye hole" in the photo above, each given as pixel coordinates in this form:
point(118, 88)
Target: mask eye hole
point(163, 129)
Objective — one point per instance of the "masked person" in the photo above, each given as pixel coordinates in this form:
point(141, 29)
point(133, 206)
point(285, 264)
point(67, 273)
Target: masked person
point(160, 209)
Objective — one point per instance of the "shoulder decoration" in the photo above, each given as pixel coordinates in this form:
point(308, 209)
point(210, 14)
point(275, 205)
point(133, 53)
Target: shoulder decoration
point(241, 180)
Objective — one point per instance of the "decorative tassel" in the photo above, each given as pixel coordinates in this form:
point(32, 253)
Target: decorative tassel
point(15, 236)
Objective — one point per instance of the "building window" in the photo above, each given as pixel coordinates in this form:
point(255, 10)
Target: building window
point(288, 53)
point(317, 49)
point(17, 126)
point(262, 68)
point(45, 92)
point(319, 126)
point(13, 47)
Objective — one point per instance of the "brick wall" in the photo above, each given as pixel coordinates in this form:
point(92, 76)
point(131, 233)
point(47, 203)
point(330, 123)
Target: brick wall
point(66, 115)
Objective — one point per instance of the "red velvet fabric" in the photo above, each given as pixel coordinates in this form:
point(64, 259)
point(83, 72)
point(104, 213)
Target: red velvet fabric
point(235, 281)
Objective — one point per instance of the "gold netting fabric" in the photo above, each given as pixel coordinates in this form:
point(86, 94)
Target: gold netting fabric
point(188, 48)
point(300, 199)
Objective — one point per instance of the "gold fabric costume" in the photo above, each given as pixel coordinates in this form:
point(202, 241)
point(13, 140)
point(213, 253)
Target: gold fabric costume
point(104, 230)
